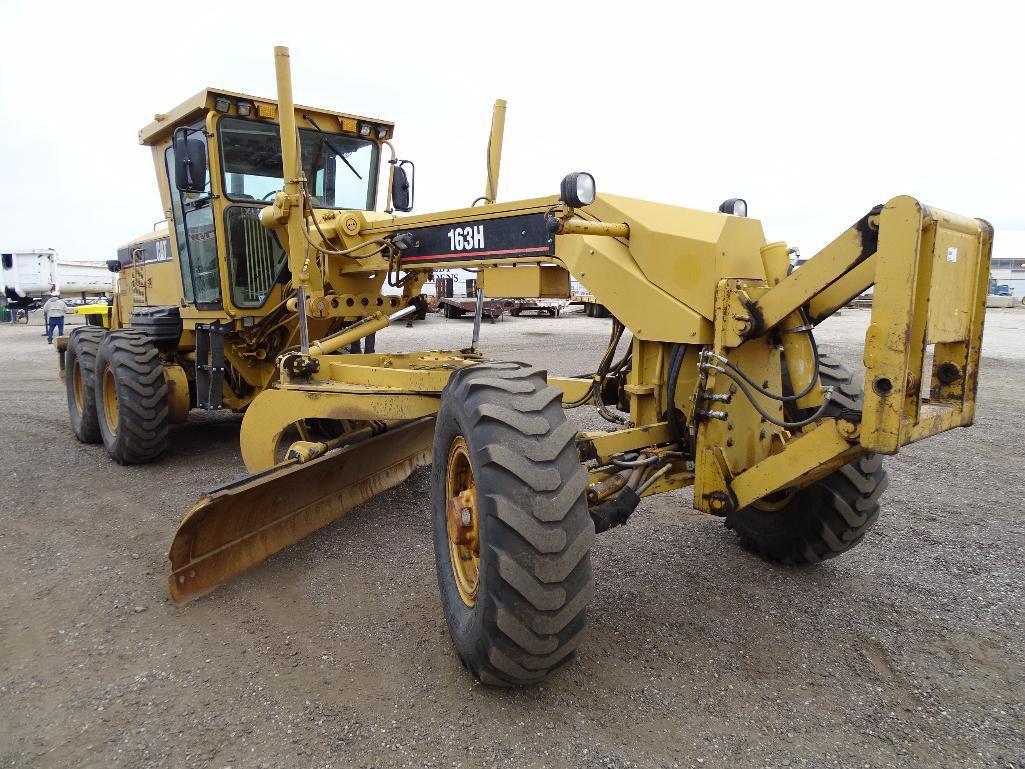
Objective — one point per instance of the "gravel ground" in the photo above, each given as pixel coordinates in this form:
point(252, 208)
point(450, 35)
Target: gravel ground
point(907, 652)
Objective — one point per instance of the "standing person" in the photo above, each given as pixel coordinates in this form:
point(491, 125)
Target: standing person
point(54, 310)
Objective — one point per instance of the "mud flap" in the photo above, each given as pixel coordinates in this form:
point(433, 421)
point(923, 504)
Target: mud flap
point(239, 525)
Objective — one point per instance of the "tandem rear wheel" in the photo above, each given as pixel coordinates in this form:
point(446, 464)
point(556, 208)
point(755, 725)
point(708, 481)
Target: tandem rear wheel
point(80, 375)
point(131, 397)
point(512, 535)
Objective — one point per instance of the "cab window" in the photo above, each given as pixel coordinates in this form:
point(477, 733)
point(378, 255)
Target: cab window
point(196, 240)
point(341, 169)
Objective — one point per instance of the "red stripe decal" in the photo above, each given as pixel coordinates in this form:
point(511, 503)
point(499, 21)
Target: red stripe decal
point(470, 254)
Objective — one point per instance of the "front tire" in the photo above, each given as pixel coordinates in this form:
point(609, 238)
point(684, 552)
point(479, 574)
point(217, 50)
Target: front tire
point(131, 397)
point(79, 378)
point(828, 517)
point(512, 535)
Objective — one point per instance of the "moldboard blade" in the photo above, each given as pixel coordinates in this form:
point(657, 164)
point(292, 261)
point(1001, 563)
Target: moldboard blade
point(237, 526)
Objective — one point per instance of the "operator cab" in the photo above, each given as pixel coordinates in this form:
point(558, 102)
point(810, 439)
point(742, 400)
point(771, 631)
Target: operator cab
point(218, 162)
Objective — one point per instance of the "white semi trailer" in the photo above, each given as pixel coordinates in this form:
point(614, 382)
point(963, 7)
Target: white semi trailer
point(28, 276)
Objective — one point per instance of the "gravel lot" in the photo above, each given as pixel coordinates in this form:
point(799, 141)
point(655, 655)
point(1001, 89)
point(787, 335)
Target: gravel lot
point(908, 651)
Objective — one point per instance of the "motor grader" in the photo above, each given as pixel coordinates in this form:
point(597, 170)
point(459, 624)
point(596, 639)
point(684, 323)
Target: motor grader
point(276, 265)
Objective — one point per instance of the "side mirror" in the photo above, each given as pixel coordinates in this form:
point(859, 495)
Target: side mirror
point(402, 185)
point(114, 265)
point(189, 160)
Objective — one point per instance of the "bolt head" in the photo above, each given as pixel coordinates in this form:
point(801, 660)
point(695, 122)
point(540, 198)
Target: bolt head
point(847, 429)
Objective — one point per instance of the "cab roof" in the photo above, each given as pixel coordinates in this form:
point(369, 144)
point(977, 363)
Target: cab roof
point(265, 109)
point(157, 234)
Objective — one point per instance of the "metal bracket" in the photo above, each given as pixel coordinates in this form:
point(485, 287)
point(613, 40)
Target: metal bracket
point(209, 366)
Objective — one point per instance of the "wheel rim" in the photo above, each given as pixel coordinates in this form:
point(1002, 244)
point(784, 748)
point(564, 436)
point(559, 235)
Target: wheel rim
point(110, 400)
point(462, 521)
point(77, 388)
point(776, 501)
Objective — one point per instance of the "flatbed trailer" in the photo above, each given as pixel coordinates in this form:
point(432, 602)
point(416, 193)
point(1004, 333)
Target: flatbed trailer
point(592, 307)
point(541, 306)
point(457, 307)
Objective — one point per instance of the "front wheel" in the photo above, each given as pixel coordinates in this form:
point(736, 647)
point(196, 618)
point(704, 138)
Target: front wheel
point(512, 536)
point(831, 515)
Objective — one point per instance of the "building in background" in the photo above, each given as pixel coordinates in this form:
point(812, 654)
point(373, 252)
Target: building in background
point(1010, 272)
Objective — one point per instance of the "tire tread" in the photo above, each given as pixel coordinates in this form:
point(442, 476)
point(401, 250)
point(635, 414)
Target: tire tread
point(142, 397)
point(83, 346)
point(832, 515)
point(531, 500)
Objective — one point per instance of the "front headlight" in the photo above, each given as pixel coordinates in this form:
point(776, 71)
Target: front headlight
point(577, 189)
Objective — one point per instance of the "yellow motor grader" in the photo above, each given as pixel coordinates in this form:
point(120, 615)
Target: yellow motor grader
point(274, 270)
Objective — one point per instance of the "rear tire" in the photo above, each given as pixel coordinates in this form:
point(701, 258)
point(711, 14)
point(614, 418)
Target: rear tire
point(516, 611)
point(828, 517)
point(79, 377)
point(131, 397)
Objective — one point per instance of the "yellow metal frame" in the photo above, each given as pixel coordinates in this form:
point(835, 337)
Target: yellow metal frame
point(736, 297)
point(931, 278)
point(687, 284)
point(96, 309)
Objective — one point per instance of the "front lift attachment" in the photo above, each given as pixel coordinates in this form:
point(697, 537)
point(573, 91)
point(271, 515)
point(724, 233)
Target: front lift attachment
point(929, 269)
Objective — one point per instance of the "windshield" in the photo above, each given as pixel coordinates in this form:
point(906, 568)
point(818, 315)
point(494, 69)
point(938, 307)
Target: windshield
point(251, 159)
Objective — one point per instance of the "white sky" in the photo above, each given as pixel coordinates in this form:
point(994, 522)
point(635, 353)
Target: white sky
point(813, 112)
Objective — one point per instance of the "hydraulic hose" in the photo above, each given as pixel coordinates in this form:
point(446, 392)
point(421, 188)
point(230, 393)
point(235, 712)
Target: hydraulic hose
point(767, 393)
point(676, 428)
point(765, 415)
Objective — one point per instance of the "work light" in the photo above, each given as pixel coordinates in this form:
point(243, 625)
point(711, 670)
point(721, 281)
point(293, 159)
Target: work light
point(734, 207)
point(222, 103)
point(245, 108)
point(577, 189)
